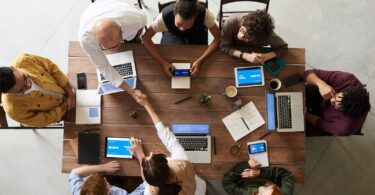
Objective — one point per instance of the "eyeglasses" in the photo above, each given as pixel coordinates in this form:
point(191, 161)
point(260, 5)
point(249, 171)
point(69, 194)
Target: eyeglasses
point(245, 36)
point(104, 49)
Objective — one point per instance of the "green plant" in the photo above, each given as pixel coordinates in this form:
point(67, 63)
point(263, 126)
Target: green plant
point(205, 99)
point(133, 114)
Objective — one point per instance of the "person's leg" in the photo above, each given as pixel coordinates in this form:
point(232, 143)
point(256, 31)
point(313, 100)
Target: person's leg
point(169, 38)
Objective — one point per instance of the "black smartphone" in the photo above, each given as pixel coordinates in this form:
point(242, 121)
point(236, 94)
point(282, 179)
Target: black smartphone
point(81, 80)
point(292, 80)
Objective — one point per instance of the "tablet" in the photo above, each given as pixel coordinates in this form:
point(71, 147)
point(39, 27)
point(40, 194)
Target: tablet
point(116, 147)
point(249, 76)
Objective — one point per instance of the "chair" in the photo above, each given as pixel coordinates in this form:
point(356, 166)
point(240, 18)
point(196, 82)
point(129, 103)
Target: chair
point(3, 118)
point(224, 14)
point(164, 3)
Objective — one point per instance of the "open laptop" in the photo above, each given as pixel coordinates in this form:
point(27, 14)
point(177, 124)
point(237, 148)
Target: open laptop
point(123, 63)
point(195, 139)
point(285, 111)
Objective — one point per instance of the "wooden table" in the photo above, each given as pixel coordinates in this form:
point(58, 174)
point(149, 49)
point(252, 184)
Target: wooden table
point(285, 149)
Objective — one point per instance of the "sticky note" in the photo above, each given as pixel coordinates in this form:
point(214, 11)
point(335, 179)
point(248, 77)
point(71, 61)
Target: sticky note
point(93, 112)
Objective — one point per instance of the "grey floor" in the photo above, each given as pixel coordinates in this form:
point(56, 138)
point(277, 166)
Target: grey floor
point(337, 35)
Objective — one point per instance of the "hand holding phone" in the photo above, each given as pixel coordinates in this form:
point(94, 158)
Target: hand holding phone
point(181, 72)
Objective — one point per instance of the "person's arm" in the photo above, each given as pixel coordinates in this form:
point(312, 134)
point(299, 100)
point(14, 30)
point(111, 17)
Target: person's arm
point(109, 168)
point(150, 46)
point(279, 176)
point(210, 50)
point(279, 46)
point(312, 118)
point(325, 90)
point(233, 177)
point(38, 119)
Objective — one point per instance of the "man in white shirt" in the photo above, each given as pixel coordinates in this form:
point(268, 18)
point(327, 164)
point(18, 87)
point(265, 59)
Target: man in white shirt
point(104, 25)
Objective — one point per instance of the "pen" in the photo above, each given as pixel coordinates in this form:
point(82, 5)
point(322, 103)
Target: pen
point(245, 123)
point(214, 141)
point(265, 135)
point(179, 101)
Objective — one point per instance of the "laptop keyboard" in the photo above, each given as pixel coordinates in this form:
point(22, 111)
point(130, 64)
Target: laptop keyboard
point(194, 143)
point(284, 112)
point(123, 69)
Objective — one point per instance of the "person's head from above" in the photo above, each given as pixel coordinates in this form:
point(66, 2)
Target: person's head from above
point(256, 26)
point(96, 184)
point(14, 81)
point(353, 102)
point(269, 189)
point(185, 13)
point(156, 172)
point(108, 33)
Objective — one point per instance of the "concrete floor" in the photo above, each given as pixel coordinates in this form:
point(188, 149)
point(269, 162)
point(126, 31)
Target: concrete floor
point(337, 35)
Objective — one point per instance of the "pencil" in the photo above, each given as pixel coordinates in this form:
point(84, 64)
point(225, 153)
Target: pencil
point(265, 135)
point(182, 100)
point(214, 141)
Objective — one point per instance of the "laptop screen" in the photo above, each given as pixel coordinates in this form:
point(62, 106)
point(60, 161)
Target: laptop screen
point(271, 115)
point(190, 128)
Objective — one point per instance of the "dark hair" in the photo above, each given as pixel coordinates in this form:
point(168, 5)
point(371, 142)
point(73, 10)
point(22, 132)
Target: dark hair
point(258, 24)
point(7, 79)
point(187, 9)
point(94, 185)
point(156, 172)
point(355, 102)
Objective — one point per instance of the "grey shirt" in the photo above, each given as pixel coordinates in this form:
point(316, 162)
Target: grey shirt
point(229, 38)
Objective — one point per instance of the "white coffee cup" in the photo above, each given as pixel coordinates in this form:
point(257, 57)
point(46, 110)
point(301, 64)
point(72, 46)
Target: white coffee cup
point(275, 84)
point(231, 91)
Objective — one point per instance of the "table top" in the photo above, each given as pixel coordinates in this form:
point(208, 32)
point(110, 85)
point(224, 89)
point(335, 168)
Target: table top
point(284, 149)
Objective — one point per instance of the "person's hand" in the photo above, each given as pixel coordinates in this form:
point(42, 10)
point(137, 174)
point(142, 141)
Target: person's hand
point(195, 67)
point(168, 68)
point(255, 58)
point(254, 164)
point(140, 97)
point(326, 91)
point(137, 149)
point(64, 106)
point(70, 99)
point(250, 173)
point(111, 167)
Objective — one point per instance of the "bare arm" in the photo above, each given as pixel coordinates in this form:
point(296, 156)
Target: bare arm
point(311, 118)
point(326, 91)
point(109, 167)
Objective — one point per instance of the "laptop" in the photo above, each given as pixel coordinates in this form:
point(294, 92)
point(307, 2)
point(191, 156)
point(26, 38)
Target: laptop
point(285, 111)
point(123, 63)
point(195, 139)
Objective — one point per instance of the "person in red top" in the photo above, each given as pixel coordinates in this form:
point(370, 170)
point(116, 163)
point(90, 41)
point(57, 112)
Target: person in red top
point(337, 103)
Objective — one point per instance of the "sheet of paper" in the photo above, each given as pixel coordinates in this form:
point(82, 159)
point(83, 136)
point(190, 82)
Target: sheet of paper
point(181, 82)
point(251, 116)
point(87, 98)
point(235, 126)
point(88, 107)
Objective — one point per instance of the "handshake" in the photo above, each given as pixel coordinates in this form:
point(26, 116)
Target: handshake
point(140, 97)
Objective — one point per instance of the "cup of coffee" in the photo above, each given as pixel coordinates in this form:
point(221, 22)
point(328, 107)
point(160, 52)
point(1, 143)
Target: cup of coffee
point(275, 84)
point(235, 150)
point(230, 91)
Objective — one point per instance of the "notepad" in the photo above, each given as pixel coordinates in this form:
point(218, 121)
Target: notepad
point(243, 121)
point(88, 107)
point(181, 82)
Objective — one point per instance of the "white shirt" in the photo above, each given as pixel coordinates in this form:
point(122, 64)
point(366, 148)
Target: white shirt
point(177, 153)
point(35, 87)
point(127, 15)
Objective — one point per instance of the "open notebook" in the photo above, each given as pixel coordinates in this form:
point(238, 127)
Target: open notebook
point(243, 121)
point(88, 107)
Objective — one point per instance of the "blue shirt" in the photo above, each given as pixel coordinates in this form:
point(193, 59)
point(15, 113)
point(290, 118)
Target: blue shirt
point(76, 182)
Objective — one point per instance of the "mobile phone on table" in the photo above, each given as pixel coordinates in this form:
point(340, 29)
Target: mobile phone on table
point(292, 80)
point(81, 80)
point(181, 72)
point(256, 148)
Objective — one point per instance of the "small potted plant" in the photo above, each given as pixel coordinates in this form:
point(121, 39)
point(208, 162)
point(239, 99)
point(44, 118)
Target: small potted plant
point(205, 99)
point(133, 114)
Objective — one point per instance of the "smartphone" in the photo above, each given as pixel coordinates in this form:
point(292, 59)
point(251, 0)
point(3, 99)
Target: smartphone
point(116, 147)
point(81, 80)
point(256, 148)
point(292, 80)
point(181, 72)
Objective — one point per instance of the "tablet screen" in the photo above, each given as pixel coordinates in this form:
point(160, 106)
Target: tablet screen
point(249, 76)
point(118, 147)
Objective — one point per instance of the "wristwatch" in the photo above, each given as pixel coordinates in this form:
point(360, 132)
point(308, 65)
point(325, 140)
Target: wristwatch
point(241, 54)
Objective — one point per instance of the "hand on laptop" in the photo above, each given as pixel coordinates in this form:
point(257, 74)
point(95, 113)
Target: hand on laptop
point(137, 150)
point(111, 167)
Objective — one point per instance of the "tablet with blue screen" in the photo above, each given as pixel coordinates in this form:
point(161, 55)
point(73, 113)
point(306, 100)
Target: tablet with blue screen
point(249, 76)
point(118, 147)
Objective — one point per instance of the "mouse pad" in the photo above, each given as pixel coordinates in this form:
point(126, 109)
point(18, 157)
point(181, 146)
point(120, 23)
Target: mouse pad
point(274, 66)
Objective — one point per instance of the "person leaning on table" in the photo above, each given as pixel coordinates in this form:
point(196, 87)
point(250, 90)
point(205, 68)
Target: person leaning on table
point(183, 23)
point(166, 175)
point(337, 103)
point(96, 183)
point(104, 25)
point(255, 29)
point(34, 91)
point(248, 178)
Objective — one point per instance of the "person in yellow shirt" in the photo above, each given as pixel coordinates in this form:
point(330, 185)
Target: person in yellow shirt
point(34, 91)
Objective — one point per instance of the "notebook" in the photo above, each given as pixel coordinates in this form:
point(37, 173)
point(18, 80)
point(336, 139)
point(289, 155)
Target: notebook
point(88, 148)
point(181, 82)
point(243, 121)
point(88, 107)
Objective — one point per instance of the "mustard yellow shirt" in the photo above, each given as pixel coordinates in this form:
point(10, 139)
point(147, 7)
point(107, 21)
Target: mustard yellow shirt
point(37, 108)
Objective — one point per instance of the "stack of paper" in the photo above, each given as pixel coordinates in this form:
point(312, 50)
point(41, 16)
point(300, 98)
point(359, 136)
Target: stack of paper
point(243, 121)
point(181, 82)
point(87, 107)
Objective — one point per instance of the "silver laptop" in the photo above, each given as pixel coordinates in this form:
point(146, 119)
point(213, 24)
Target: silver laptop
point(123, 63)
point(285, 111)
point(195, 139)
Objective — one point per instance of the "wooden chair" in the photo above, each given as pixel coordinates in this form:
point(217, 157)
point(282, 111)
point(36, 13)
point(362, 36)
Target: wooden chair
point(224, 14)
point(164, 3)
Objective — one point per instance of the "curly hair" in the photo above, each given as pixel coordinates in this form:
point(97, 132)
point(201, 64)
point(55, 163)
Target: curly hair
point(187, 9)
point(7, 79)
point(258, 24)
point(94, 185)
point(355, 102)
